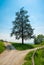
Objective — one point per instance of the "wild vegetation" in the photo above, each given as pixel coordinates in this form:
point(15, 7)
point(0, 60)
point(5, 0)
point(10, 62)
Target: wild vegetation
point(19, 46)
point(39, 39)
point(2, 46)
point(39, 57)
point(28, 58)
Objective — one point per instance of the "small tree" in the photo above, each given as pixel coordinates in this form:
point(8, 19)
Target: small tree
point(21, 26)
point(35, 40)
point(39, 39)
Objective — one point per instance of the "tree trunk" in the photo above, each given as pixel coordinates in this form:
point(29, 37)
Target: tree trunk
point(22, 40)
point(22, 36)
point(22, 33)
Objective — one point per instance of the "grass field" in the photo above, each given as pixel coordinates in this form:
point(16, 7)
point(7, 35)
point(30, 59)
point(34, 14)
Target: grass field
point(19, 46)
point(39, 57)
point(28, 58)
point(2, 47)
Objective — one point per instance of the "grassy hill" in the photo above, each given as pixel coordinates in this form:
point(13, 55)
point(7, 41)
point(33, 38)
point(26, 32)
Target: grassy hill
point(2, 47)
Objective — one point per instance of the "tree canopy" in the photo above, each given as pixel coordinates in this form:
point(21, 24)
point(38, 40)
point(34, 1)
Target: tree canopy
point(39, 39)
point(21, 26)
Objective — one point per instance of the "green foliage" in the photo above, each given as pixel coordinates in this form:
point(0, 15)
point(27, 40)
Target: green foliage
point(39, 57)
point(2, 47)
point(19, 46)
point(28, 63)
point(39, 39)
point(28, 58)
point(42, 43)
point(35, 40)
point(21, 26)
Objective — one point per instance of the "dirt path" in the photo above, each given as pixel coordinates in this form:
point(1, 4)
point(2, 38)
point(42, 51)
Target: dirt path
point(13, 57)
point(33, 63)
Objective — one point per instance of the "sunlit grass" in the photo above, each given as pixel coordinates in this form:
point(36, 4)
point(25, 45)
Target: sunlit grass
point(2, 47)
point(28, 58)
point(20, 46)
point(39, 57)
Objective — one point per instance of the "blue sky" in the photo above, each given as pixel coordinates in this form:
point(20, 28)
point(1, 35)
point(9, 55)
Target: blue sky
point(8, 8)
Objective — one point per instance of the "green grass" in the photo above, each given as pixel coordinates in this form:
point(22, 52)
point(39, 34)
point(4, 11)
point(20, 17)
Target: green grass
point(38, 45)
point(2, 47)
point(19, 46)
point(28, 58)
point(39, 57)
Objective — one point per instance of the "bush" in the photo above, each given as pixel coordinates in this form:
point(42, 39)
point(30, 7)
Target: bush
point(39, 39)
point(2, 47)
